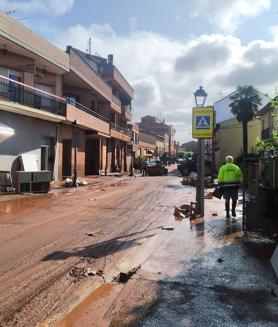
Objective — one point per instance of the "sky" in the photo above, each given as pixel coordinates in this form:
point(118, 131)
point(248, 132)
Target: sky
point(167, 48)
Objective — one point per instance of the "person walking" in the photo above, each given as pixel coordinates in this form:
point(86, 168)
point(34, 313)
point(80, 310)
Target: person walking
point(229, 179)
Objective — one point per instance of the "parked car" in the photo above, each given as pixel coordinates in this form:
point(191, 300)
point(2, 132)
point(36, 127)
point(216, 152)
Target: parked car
point(156, 168)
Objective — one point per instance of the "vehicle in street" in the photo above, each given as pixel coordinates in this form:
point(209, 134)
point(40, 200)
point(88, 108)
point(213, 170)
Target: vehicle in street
point(156, 168)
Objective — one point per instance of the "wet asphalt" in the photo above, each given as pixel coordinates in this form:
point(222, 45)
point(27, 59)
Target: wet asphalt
point(209, 273)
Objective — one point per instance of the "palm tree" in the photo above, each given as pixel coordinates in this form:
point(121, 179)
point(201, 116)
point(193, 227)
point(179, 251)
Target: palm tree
point(245, 105)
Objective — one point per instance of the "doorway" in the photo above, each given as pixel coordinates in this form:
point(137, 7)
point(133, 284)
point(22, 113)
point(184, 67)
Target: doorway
point(92, 156)
point(66, 158)
point(44, 157)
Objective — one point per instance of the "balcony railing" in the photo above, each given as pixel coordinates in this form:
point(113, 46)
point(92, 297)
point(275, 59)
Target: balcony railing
point(29, 96)
point(127, 108)
point(86, 109)
point(116, 100)
point(120, 129)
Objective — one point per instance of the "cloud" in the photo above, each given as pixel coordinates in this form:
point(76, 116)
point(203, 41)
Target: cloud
point(227, 16)
point(165, 72)
point(216, 51)
point(273, 30)
point(50, 7)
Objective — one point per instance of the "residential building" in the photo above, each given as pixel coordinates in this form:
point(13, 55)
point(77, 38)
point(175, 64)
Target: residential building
point(155, 126)
point(191, 146)
point(269, 121)
point(31, 102)
point(56, 107)
point(228, 139)
point(112, 101)
point(133, 147)
point(147, 143)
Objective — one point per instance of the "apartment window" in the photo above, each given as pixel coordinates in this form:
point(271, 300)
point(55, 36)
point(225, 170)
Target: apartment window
point(8, 88)
point(72, 99)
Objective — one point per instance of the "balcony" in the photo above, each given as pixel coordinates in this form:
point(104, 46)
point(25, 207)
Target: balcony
point(123, 83)
point(116, 104)
point(120, 133)
point(26, 100)
point(87, 118)
point(126, 112)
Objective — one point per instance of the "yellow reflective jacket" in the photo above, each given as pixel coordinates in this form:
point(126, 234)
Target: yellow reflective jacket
point(229, 174)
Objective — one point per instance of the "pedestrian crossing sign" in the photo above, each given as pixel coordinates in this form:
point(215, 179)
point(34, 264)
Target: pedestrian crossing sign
point(203, 119)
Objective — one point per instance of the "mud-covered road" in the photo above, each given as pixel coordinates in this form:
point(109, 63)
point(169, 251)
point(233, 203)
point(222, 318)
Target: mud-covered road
point(52, 246)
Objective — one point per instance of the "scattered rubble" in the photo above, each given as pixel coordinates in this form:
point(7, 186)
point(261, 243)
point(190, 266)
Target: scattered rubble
point(192, 181)
point(186, 211)
point(183, 211)
point(123, 277)
point(189, 180)
point(82, 272)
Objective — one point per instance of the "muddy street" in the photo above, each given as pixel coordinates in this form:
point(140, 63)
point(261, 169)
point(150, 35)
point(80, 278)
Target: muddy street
point(112, 254)
point(48, 242)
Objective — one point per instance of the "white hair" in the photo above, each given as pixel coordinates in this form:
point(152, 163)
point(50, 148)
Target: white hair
point(229, 159)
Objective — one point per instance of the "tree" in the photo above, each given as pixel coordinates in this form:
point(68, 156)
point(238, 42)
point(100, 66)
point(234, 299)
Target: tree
point(245, 105)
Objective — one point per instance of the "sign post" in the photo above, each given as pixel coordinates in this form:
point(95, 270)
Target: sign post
point(202, 128)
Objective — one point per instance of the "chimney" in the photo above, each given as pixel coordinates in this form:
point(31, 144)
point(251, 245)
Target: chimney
point(110, 59)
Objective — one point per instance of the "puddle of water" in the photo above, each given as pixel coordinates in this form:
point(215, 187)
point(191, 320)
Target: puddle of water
point(72, 318)
point(15, 206)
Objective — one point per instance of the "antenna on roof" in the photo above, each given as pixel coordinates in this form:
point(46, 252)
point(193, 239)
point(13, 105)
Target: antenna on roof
point(89, 49)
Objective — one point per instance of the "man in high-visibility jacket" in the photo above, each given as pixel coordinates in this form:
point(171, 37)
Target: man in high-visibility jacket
point(229, 178)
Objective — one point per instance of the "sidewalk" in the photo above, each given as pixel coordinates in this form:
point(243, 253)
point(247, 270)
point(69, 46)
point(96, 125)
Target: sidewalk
point(208, 273)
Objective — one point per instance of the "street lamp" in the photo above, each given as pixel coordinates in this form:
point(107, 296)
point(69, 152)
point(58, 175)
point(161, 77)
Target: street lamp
point(200, 98)
point(75, 174)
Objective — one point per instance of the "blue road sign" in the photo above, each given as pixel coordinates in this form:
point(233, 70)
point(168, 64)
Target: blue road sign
point(203, 122)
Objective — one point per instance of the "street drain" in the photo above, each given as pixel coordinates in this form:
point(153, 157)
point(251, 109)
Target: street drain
point(124, 277)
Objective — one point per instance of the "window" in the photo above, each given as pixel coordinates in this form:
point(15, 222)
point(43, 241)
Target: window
point(43, 100)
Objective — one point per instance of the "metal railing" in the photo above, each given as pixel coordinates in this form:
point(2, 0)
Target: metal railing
point(120, 129)
point(116, 100)
point(127, 108)
point(20, 93)
point(86, 109)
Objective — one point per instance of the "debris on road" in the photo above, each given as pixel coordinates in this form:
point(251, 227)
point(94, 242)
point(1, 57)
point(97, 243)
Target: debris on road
point(183, 211)
point(123, 277)
point(82, 272)
point(167, 228)
point(220, 260)
point(189, 180)
point(97, 233)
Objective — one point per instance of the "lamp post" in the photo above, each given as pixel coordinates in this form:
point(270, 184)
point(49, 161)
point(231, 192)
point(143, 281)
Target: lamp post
point(74, 179)
point(200, 96)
